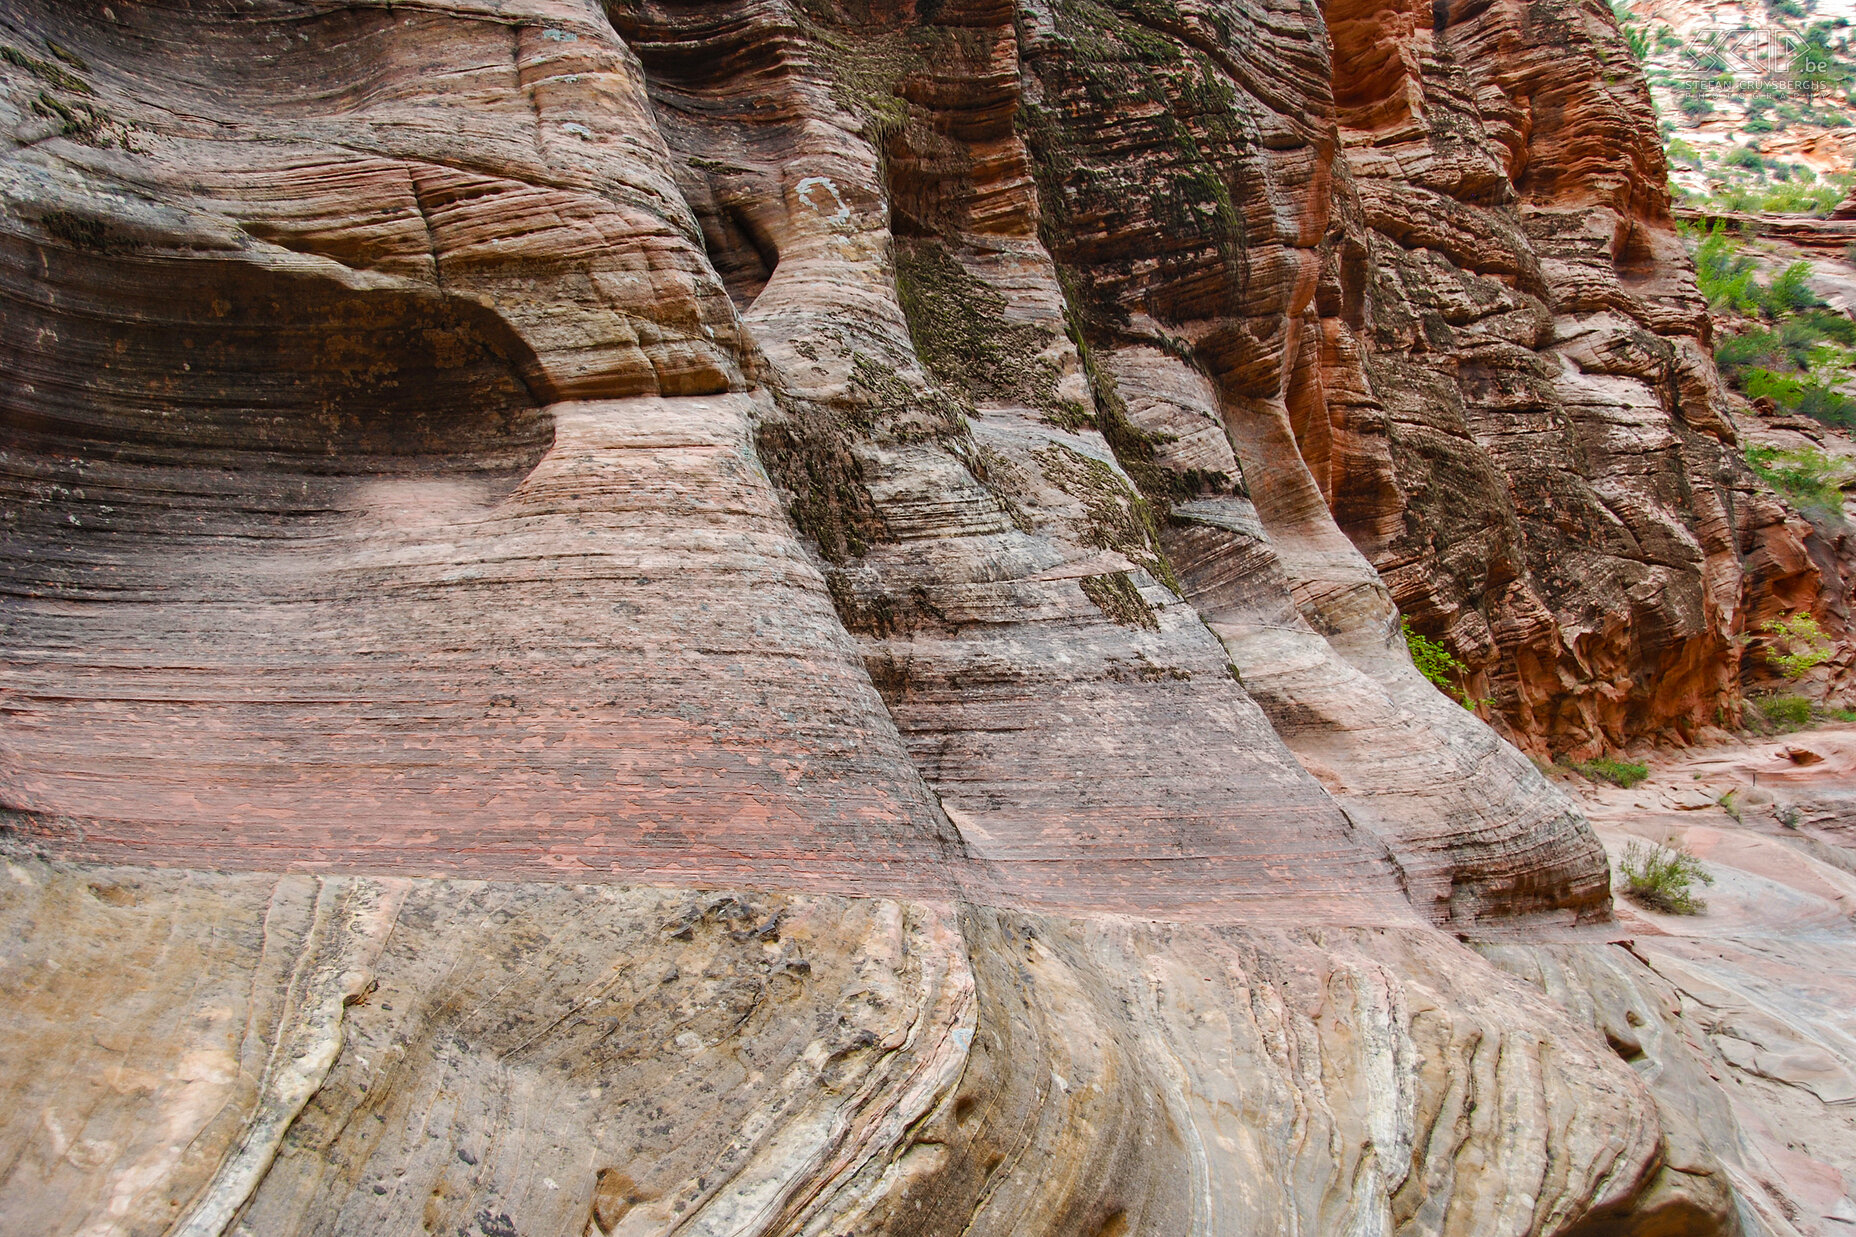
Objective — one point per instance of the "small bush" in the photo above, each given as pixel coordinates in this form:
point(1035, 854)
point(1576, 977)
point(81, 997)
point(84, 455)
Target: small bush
point(1635, 36)
point(1820, 403)
point(1736, 354)
point(1793, 362)
point(1804, 396)
point(1821, 324)
point(1784, 712)
point(1436, 663)
point(1663, 878)
point(1724, 274)
point(1790, 291)
point(1792, 195)
point(1807, 477)
point(1785, 389)
point(1618, 772)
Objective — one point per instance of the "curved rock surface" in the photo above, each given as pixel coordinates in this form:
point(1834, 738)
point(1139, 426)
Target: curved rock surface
point(746, 617)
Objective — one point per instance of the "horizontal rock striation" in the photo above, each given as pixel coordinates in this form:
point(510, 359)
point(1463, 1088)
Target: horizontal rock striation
point(356, 517)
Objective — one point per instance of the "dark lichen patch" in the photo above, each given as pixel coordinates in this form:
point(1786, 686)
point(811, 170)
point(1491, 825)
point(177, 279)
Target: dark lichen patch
point(874, 612)
point(961, 334)
point(809, 450)
point(716, 165)
point(808, 453)
point(46, 71)
point(1133, 75)
point(80, 232)
point(88, 124)
point(1137, 449)
point(68, 56)
point(1143, 669)
point(894, 411)
point(1116, 596)
point(873, 615)
point(866, 66)
point(1141, 75)
point(1115, 518)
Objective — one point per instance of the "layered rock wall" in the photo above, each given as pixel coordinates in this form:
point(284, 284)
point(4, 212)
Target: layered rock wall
point(1565, 503)
point(479, 475)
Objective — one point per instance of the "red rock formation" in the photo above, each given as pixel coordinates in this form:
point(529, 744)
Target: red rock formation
point(914, 452)
point(1568, 512)
point(349, 521)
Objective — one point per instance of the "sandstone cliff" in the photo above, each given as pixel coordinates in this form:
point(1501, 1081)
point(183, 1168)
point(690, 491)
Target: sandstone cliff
point(747, 617)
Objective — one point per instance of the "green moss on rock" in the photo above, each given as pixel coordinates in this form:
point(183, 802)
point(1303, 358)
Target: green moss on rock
point(1116, 596)
point(962, 336)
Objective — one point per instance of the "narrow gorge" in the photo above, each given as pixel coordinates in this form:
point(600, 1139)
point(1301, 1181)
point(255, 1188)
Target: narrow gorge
point(795, 616)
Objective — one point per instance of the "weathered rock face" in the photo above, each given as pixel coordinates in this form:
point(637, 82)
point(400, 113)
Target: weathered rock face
point(510, 465)
point(1560, 499)
point(360, 1054)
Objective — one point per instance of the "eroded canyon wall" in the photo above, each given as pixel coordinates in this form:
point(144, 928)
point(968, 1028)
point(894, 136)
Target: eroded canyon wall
point(478, 474)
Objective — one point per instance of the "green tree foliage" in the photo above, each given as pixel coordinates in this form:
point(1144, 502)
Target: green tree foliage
point(1436, 663)
point(1724, 274)
point(1798, 644)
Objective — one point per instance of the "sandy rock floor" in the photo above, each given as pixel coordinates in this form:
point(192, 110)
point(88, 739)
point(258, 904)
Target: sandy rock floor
point(1766, 974)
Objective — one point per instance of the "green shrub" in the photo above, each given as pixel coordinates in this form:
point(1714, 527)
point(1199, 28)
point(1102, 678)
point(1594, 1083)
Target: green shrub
point(1745, 157)
point(1799, 644)
point(1736, 354)
point(1724, 274)
point(1809, 478)
point(1808, 397)
point(1822, 324)
point(1790, 291)
point(1618, 772)
point(1820, 403)
point(1795, 196)
point(1436, 663)
point(1784, 712)
point(1635, 36)
point(1785, 388)
point(1663, 878)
